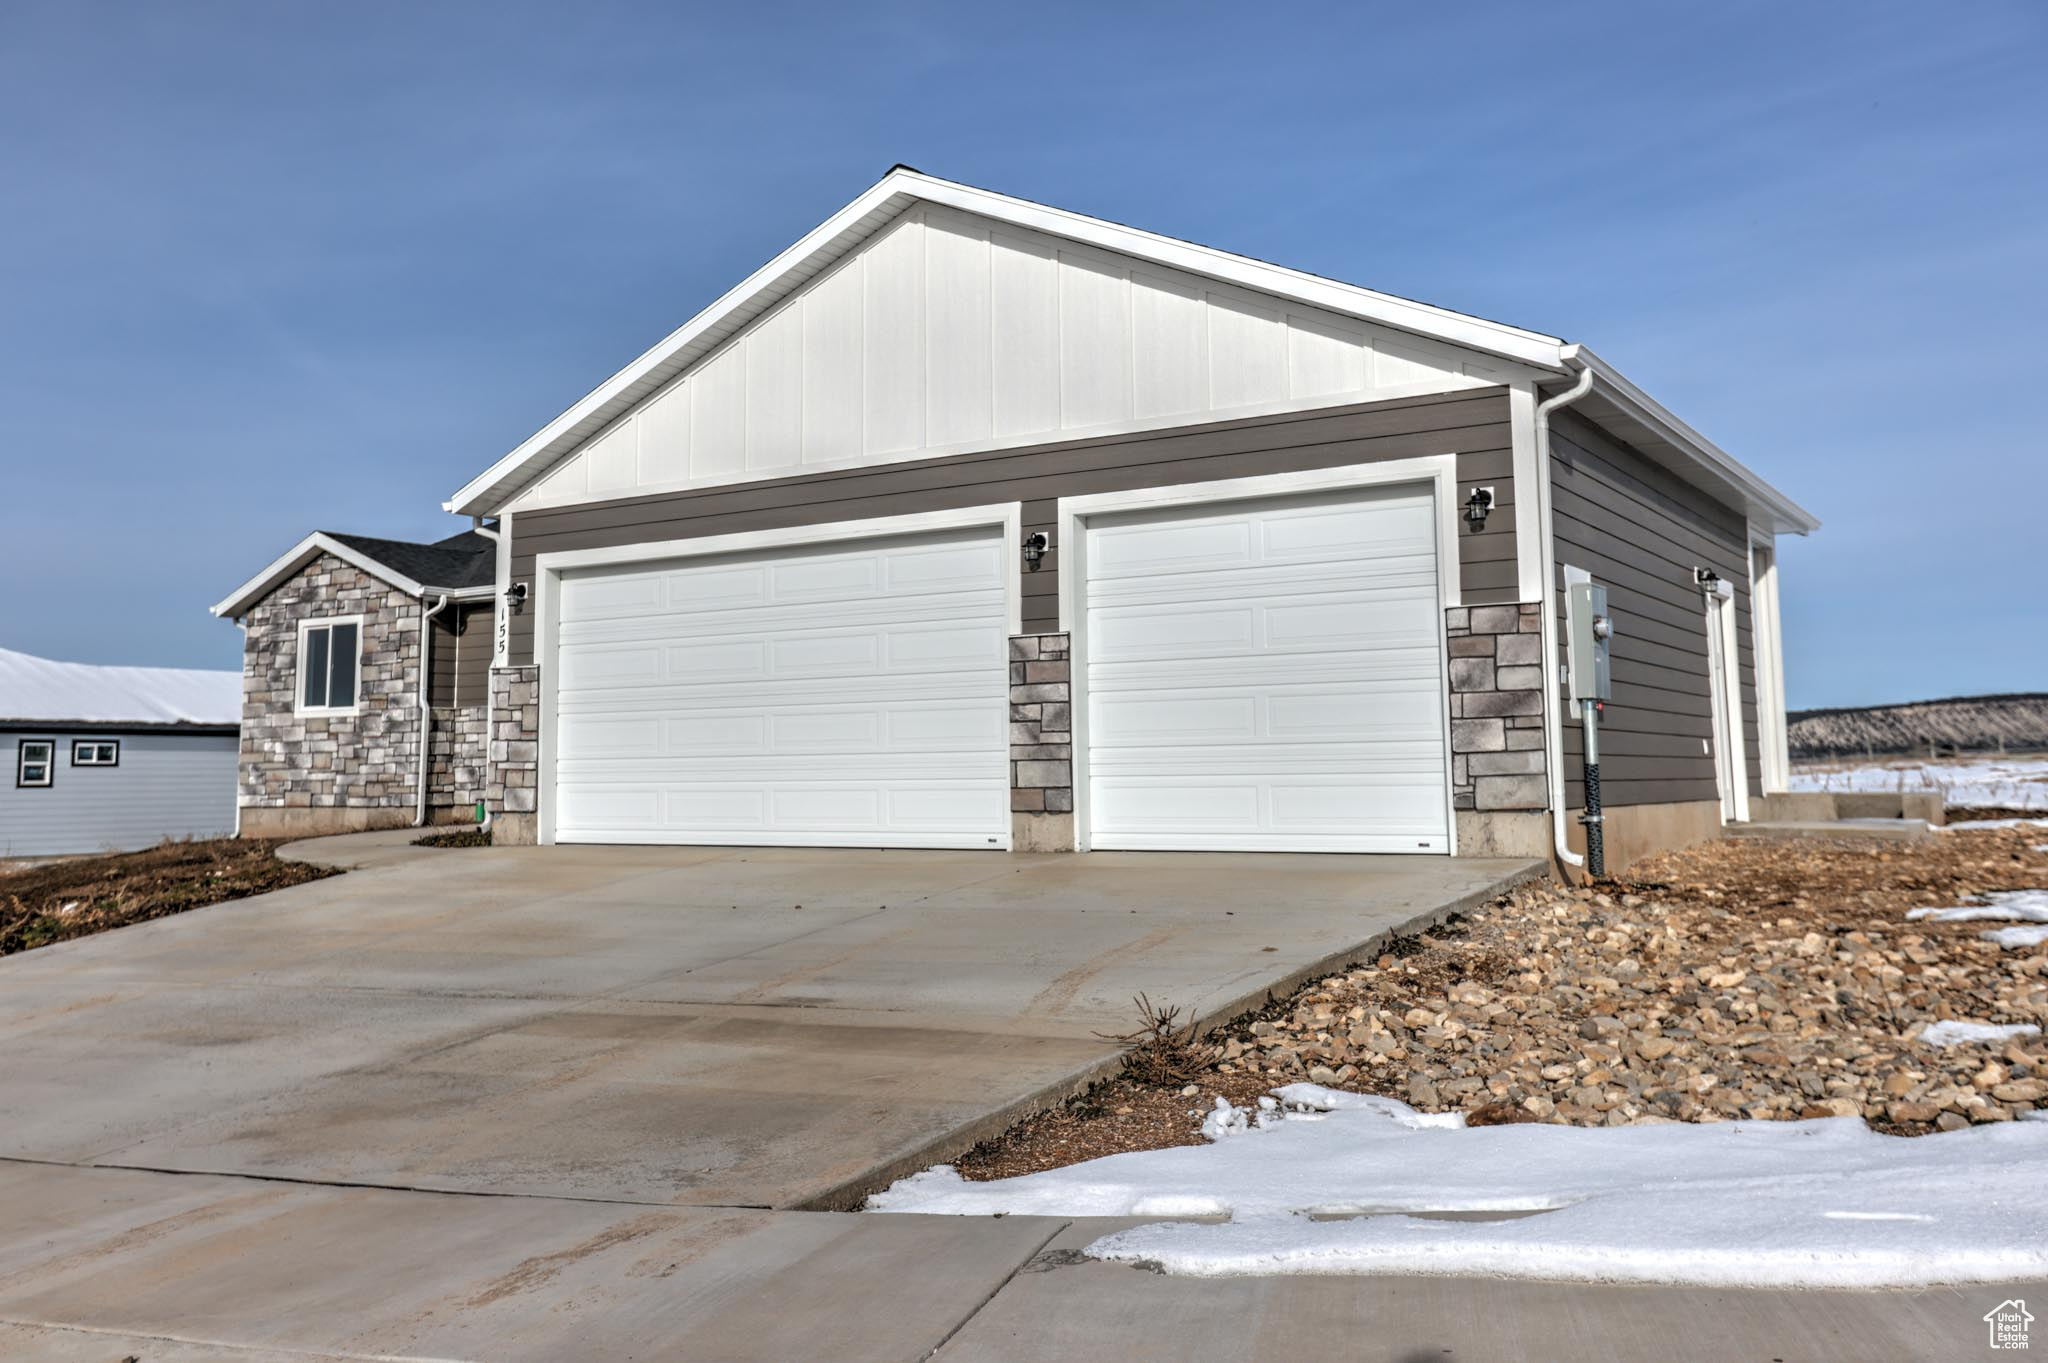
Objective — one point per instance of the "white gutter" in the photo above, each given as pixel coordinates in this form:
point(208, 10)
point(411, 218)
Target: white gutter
point(1553, 722)
point(419, 818)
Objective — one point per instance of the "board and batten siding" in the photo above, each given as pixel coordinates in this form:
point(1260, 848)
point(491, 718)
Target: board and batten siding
point(1640, 532)
point(1473, 425)
point(948, 332)
point(166, 785)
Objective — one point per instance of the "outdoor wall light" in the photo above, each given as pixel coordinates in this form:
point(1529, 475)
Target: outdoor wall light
point(1706, 579)
point(1035, 545)
point(1477, 506)
point(515, 596)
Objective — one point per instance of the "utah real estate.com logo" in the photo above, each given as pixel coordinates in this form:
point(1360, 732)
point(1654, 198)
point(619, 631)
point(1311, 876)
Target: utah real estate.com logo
point(2008, 1323)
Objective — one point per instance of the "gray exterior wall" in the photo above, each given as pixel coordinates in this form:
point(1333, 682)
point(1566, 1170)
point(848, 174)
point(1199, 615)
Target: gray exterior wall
point(166, 785)
point(1472, 423)
point(1640, 532)
point(460, 670)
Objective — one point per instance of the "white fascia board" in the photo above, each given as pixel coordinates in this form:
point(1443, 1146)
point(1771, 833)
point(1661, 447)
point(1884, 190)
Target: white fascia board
point(297, 557)
point(618, 393)
point(1788, 516)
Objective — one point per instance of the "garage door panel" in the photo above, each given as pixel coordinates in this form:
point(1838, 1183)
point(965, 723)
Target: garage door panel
point(844, 698)
point(1268, 676)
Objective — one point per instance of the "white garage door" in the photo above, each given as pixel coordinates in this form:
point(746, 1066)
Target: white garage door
point(1267, 676)
point(848, 696)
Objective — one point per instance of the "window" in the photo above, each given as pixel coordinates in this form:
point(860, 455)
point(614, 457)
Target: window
point(327, 666)
point(35, 762)
point(95, 752)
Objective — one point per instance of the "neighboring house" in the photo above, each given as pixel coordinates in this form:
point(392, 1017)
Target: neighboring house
point(365, 683)
point(114, 758)
point(970, 522)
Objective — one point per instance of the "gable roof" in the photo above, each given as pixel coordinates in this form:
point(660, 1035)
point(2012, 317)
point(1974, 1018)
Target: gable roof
point(45, 691)
point(886, 200)
point(461, 565)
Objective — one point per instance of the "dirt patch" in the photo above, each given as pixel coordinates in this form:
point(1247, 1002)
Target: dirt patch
point(456, 837)
point(1740, 979)
point(59, 900)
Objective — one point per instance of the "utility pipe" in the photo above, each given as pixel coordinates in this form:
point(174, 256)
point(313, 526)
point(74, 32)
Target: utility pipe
point(419, 818)
point(1553, 723)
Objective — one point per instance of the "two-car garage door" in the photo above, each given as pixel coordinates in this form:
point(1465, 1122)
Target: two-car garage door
point(842, 696)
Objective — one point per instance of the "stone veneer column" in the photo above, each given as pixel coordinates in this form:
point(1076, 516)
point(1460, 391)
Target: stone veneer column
point(1041, 744)
point(513, 793)
point(1498, 781)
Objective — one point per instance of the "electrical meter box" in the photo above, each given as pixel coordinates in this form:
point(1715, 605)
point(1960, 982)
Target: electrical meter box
point(1588, 627)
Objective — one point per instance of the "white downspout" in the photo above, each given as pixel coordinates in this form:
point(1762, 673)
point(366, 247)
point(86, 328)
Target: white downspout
point(419, 817)
point(1553, 723)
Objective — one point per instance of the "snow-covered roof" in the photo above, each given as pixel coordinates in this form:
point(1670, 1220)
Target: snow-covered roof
point(44, 691)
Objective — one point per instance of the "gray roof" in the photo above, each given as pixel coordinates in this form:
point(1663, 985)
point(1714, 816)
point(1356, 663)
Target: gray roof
point(458, 562)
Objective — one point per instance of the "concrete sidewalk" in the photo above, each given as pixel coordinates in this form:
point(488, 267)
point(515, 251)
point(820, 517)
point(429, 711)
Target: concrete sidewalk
point(100, 1264)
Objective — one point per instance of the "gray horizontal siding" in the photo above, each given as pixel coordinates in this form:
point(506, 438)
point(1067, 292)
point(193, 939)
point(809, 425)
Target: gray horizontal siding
point(1640, 532)
point(1473, 424)
point(461, 670)
point(166, 786)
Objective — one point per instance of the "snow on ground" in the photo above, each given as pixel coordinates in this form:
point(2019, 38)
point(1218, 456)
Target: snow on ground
point(1338, 1182)
point(2023, 906)
point(1947, 1034)
point(2005, 783)
point(1968, 825)
point(2016, 939)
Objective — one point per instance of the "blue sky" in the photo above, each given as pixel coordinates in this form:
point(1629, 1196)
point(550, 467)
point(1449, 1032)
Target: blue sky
point(265, 268)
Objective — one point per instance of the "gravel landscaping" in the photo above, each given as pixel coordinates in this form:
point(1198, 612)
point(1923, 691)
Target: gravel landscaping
point(1738, 979)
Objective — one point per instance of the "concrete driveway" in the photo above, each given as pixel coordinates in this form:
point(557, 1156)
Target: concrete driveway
point(669, 1026)
point(541, 1105)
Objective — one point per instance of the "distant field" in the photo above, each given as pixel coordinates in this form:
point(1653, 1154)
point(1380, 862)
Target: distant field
point(2007, 783)
point(1963, 724)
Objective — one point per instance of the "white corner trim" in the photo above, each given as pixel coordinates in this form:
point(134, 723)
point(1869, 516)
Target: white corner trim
point(1009, 516)
point(1767, 631)
point(1438, 470)
point(1529, 507)
point(299, 706)
point(297, 557)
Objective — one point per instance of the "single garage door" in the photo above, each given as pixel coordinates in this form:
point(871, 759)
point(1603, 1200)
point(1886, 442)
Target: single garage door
point(1267, 676)
point(850, 696)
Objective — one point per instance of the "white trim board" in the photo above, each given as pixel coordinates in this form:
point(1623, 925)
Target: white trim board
point(549, 567)
point(307, 625)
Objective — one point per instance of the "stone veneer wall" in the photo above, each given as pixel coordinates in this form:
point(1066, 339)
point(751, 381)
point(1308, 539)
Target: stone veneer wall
point(1041, 744)
point(513, 792)
point(330, 773)
point(459, 761)
point(1497, 707)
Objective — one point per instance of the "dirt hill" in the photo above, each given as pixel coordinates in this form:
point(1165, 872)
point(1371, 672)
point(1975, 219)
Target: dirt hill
point(1964, 723)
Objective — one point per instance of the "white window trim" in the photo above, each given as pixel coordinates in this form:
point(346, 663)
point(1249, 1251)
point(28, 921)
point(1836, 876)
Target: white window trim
point(1438, 471)
point(49, 763)
point(1007, 517)
point(96, 743)
point(299, 706)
